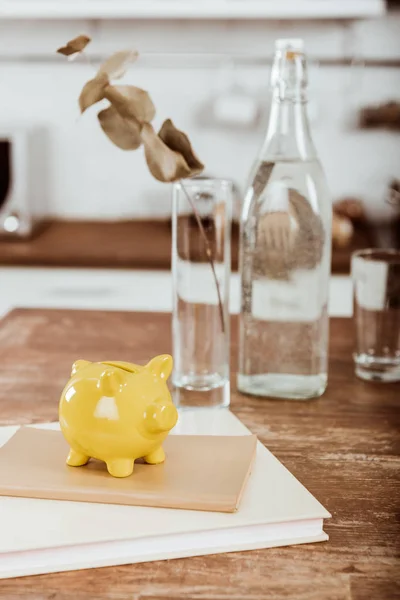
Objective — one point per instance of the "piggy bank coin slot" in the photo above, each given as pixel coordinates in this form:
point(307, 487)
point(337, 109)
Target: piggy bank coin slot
point(127, 367)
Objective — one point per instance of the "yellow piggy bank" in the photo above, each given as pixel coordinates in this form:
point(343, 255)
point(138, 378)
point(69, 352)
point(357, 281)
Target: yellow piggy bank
point(117, 412)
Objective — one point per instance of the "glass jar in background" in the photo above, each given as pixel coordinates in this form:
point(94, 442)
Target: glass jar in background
point(376, 285)
point(201, 267)
point(285, 249)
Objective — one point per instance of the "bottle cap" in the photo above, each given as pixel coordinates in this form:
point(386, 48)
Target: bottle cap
point(296, 44)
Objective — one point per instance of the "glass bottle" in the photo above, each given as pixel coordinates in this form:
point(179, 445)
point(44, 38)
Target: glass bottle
point(285, 249)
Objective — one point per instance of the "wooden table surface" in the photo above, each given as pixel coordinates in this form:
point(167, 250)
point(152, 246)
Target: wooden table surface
point(344, 447)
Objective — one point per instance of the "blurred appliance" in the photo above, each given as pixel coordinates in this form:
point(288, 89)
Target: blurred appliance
point(232, 105)
point(23, 179)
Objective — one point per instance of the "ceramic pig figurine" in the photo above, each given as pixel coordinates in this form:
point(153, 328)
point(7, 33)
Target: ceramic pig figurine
point(117, 412)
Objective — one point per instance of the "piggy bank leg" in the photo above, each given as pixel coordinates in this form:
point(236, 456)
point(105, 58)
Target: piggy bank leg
point(156, 457)
point(120, 467)
point(76, 459)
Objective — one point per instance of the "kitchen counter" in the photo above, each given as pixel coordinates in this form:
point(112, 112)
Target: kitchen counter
point(131, 244)
point(114, 289)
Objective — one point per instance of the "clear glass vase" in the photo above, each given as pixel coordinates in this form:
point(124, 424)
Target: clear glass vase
point(201, 266)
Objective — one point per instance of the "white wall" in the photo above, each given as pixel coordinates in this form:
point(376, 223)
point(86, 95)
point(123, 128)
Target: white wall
point(183, 68)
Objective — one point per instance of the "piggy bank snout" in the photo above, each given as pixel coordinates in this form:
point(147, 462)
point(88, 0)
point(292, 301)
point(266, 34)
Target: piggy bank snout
point(160, 417)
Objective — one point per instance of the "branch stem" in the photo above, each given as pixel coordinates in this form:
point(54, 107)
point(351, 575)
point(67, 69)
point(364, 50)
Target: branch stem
point(208, 251)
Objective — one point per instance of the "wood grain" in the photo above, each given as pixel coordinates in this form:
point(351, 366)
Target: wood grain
point(344, 447)
point(123, 244)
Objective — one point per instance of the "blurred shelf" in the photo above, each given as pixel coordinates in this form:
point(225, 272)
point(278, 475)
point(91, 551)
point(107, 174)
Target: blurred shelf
point(124, 244)
point(191, 9)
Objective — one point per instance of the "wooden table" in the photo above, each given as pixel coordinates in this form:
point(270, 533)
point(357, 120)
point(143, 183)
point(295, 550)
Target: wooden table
point(344, 447)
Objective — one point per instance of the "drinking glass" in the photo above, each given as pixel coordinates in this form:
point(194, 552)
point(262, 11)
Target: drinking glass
point(376, 280)
point(201, 265)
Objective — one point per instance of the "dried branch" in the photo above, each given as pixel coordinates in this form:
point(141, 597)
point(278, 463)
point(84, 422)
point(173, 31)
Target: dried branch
point(93, 91)
point(179, 142)
point(76, 45)
point(131, 101)
point(124, 133)
point(208, 252)
point(115, 67)
point(127, 123)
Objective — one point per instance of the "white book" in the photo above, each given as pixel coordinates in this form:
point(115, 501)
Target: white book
point(47, 536)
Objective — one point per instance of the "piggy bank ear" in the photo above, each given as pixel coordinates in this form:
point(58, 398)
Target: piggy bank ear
point(79, 364)
point(110, 381)
point(161, 366)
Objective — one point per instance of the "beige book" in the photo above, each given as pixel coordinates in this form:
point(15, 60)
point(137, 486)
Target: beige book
point(199, 473)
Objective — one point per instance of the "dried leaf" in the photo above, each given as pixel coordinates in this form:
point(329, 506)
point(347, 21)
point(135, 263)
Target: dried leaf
point(115, 66)
point(131, 101)
point(164, 164)
point(93, 91)
point(124, 133)
point(179, 142)
point(73, 46)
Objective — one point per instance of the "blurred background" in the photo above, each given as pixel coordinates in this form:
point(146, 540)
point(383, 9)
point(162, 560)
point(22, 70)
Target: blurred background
point(68, 197)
